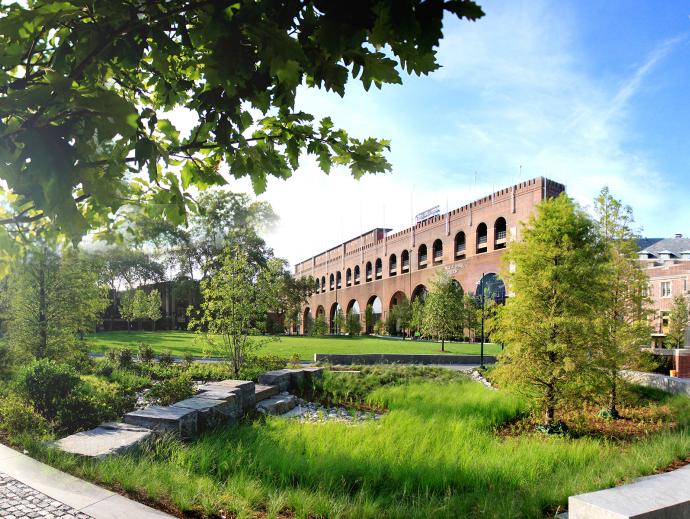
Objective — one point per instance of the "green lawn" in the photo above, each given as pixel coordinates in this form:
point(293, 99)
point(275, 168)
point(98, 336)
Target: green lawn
point(180, 343)
point(434, 454)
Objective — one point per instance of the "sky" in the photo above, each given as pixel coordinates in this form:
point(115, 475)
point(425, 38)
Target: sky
point(586, 93)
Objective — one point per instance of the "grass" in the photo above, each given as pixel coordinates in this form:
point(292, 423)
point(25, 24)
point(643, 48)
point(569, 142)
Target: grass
point(434, 454)
point(181, 343)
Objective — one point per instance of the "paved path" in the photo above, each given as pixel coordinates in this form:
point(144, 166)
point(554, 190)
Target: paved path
point(30, 489)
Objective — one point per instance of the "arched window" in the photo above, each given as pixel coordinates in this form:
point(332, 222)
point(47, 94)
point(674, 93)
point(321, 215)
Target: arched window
point(481, 238)
point(356, 274)
point(438, 251)
point(338, 280)
point(500, 237)
point(318, 285)
point(460, 245)
point(332, 282)
point(379, 268)
point(392, 265)
point(421, 256)
point(405, 261)
point(323, 283)
point(368, 271)
point(348, 277)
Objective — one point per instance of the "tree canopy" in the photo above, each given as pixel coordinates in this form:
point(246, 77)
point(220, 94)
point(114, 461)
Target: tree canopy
point(87, 88)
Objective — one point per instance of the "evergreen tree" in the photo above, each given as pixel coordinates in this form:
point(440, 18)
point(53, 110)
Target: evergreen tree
point(678, 323)
point(557, 282)
point(443, 309)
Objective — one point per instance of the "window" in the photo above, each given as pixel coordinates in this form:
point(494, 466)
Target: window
point(392, 265)
point(379, 268)
point(421, 256)
point(460, 245)
point(665, 289)
point(481, 238)
point(405, 260)
point(357, 275)
point(437, 251)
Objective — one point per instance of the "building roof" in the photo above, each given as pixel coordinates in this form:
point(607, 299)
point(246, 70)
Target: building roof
point(656, 246)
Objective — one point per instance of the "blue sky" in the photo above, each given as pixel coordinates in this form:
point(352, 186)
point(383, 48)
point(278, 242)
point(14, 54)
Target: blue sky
point(586, 93)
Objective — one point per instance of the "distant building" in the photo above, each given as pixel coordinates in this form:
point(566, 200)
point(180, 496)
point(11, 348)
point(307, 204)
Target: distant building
point(666, 261)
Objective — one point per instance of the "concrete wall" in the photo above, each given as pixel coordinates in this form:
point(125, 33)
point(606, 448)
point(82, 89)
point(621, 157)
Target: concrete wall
point(673, 385)
point(392, 358)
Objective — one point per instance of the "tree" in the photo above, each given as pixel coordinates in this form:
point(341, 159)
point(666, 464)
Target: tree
point(472, 316)
point(678, 323)
point(233, 302)
point(339, 321)
point(399, 317)
point(622, 324)
point(369, 319)
point(85, 88)
point(54, 300)
point(556, 273)
point(126, 307)
point(140, 306)
point(353, 324)
point(416, 315)
point(153, 307)
point(319, 326)
point(443, 308)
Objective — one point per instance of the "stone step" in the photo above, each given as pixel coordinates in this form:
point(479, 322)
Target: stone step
point(277, 404)
point(287, 379)
point(263, 392)
point(178, 420)
point(243, 389)
point(211, 411)
point(104, 440)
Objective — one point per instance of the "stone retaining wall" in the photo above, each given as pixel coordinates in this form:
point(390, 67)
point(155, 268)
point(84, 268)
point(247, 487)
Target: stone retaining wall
point(396, 358)
point(673, 385)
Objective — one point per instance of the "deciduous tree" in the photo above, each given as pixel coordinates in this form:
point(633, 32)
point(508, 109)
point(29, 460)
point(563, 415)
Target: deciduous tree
point(153, 306)
point(678, 323)
point(443, 309)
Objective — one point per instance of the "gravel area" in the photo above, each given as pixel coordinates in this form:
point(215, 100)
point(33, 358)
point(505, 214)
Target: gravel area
point(18, 501)
point(306, 411)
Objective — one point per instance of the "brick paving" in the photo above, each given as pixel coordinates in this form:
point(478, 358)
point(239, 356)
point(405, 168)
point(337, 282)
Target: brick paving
point(19, 501)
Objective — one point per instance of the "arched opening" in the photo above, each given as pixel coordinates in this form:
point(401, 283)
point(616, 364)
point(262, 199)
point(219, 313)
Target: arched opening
point(320, 312)
point(368, 271)
point(491, 287)
point(318, 285)
point(458, 285)
point(392, 265)
point(379, 268)
point(481, 238)
point(374, 316)
point(460, 246)
point(335, 319)
point(323, 283)
point(338, 280)
point(421, 256)
point(356, 274)
point(437, 249)
point(419, 292)
point(405, 261)
point(398, 316)
point(500, 237)
point(331, 284)
point(348, 277)
point(353, 307)
point(307, 321)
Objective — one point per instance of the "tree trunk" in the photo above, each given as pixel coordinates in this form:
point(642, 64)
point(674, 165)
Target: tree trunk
point(550, 406)
point(443, 345)
point(613, 398)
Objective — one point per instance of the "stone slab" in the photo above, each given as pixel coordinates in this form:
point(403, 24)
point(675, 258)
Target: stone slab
point(263, 392)
point(395, 358)
point(177, 420)
point(277, 405)
point(280, 378)
point(104, 440)
point(662, 496)
point(211, 411)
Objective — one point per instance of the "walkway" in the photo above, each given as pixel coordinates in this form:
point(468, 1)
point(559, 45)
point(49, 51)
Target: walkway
point(30, 489)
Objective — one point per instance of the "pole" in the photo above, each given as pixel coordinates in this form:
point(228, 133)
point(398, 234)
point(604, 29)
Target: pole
point(481, 354)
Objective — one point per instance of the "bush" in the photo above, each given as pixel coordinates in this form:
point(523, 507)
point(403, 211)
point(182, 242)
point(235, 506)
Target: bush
point(47, 385)
point(91, 403)
point(111, 355)
point(166, 359)
point(125, 358)
point(170, 391)
point(146, 353)
point(18, 417)
point(188, 360)
point(256, 365)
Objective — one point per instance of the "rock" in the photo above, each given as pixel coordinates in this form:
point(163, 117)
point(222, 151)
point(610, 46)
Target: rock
point(276, 405)
point(262, 392)
point(212, 412)
point(104, 440)
point(178, 420)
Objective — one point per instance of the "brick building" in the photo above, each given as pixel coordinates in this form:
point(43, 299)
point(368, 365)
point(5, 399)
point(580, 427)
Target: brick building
point(382, 268)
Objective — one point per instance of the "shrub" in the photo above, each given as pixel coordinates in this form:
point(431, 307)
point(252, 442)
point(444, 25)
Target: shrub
point(146, 353)
point(125, 358)
point(129, 381)
point(47, 384)
point(166, 359)
point(104, 369)
point(170, 391)
point(111, 355)
point(188, 360)
point(17, 416)
point(256, 365)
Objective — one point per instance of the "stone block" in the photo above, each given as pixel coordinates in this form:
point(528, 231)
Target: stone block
point(280, 378)
point(244, 389)
point(313, 373)
point(263, 392)
point(277, 405)
point(211, 412)
point(104, 440)
point(178, 420)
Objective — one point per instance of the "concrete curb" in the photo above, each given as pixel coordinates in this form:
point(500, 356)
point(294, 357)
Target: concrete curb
point(402, 358)
point(84, 497)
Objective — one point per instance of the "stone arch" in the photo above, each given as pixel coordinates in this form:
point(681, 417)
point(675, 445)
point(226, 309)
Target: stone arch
point(331, 318)
point(482, 238)
point(419, 292)
point(460, 242)
point(392, 265)
point(356, 274)
point(368, 271)
point(421, 256)
point(437, 251)
point(348, 277)
point(405, 261)
point(500, 237)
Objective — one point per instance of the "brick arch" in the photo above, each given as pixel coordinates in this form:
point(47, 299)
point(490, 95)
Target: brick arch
point(307, 321)
point(419, 291)
point(397, 298)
